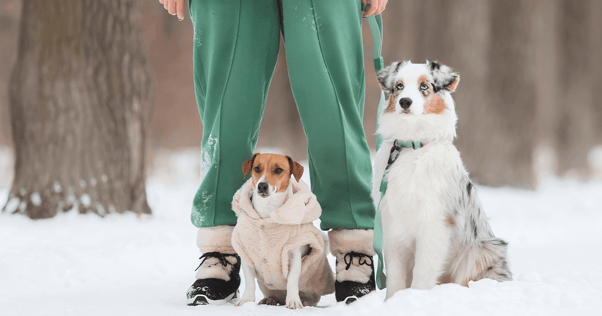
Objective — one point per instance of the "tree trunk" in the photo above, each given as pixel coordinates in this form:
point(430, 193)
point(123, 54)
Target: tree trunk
point(596, 66)
point(575, 125)
point(506, 157)
point(544, 45)
point(9, 26)
point(80, 96)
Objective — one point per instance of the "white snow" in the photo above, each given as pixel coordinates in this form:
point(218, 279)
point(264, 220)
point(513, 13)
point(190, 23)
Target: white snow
point(71, 197)
point(22, 206)
point(57, 187)
point(86, 200)
point(12, 204)
point(208, 156)
point(100, 209)
point(36, 199)
point(594, 159)
point(124, 265)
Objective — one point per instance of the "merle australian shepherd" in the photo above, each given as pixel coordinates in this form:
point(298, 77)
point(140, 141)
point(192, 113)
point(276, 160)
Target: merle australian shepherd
point(434, 227)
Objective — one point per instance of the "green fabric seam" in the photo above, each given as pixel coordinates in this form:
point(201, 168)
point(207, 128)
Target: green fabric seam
point(218, 154)
point(338, 105)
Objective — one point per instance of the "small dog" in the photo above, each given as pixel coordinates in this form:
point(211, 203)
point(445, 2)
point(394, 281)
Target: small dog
point(434, 228)
point(275, 237)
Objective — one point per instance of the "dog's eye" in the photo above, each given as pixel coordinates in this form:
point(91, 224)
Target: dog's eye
point(257, 169)
point(278, 171)
point(423, 86)
point(400, 86)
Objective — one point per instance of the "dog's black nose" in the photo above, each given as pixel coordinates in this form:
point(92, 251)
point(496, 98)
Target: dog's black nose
point(405, 103)
point(262, 187)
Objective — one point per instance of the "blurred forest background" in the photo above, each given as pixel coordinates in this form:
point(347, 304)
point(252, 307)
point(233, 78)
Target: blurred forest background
point(527, 102)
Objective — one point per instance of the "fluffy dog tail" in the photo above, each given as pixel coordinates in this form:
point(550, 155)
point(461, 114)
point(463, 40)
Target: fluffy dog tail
point(499, 269)
point(488, 259)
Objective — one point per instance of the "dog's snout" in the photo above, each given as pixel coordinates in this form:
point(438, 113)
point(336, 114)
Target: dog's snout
point(405, 103)
point(262, 187)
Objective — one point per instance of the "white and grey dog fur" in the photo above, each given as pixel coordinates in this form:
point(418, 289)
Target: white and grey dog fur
point(434, 228)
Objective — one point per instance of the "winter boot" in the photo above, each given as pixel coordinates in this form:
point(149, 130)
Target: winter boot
point(355, 266)
point(218, 275)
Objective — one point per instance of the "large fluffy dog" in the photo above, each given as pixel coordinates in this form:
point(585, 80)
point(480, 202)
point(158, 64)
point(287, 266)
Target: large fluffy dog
point(274, 235)
point(434, 228)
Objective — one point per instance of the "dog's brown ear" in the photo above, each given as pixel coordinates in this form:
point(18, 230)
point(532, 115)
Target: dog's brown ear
point(248, 165)
point(452, 86)
point(296, 168)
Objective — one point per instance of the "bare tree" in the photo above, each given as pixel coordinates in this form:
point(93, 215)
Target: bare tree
point(596, 61)
point(506, 157)
point(9, 24)
point(575, 125)
point(80, 96)
point(545, 67)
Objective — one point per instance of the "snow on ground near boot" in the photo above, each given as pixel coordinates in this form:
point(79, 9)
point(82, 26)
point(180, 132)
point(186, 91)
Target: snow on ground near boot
point(123, 265)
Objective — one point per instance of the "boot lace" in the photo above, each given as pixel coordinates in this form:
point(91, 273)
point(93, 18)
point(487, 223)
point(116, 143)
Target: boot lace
point(362, 259)
point(218, 255)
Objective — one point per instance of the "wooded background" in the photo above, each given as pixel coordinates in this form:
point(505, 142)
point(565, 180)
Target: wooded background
point(526, 102)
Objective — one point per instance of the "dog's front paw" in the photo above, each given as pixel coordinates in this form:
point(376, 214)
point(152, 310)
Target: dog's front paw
point(244, 300)
point(294, 303)
point(270, 301)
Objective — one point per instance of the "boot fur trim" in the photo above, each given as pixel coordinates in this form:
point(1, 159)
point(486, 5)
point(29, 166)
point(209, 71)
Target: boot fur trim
point(215, 239)
point(343, 241)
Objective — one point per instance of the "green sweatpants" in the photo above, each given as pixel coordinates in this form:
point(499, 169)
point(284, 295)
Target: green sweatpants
point(236, 44)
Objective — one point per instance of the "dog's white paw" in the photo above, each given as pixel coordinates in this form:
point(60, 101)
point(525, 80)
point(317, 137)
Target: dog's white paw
point(294, 303)
point(243, 301)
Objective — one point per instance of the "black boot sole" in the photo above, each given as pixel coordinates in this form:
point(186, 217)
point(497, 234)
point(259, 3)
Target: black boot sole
point(203, 300)
point(350, 299)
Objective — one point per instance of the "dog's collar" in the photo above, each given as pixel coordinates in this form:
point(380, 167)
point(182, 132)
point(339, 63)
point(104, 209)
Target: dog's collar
point(408, 144)
point(396, 149)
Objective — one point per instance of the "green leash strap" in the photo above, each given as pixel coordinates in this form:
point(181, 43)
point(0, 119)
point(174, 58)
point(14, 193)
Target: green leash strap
point(381, 278)
point(376, 28)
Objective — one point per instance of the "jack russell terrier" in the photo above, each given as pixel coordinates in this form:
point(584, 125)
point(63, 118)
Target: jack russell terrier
point(275, 237)
point(433, 224)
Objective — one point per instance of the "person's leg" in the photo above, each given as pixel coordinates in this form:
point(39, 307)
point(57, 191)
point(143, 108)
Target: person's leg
point(323, 40)
point(235, 49)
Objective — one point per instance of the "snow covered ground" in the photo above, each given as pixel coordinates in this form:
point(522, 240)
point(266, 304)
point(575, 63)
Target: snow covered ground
point(124, 265)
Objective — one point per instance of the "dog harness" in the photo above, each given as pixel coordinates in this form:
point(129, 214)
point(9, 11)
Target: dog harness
point(381, 278)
